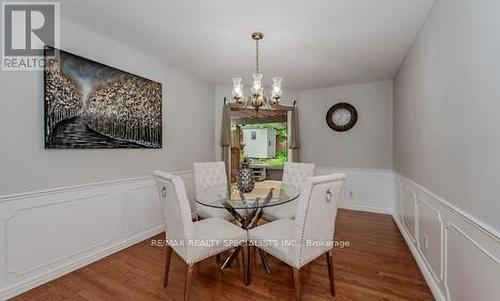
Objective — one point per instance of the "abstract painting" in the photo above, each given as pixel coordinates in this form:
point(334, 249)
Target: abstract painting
point(92, 105)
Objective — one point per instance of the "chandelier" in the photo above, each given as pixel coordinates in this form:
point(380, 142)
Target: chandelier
point(257, 98)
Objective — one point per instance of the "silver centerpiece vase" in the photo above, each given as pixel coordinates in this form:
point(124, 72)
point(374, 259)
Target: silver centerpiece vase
point(246, 180)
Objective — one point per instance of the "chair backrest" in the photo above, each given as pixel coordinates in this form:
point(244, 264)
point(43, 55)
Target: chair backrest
point(190, 193)
point(176, 210)
point(315, 216)
point(294, 173)
point(209, 175)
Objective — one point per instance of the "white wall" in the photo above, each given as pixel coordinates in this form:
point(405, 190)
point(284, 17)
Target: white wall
point(367, 145)
point(26, 166)
point(446, 108)
point(258, 148)
point(446, 149)
point(363, 153)
point(79, 216)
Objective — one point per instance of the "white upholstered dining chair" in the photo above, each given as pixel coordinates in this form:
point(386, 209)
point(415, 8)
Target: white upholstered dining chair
point(210, 175)
point(311, 234)
point(294, 174)
point(192, 241)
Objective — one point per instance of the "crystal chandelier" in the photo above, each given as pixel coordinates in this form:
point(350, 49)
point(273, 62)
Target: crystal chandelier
point(257, 98)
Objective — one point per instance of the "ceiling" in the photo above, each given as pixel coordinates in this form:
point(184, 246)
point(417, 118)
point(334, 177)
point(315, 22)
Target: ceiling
point(309, 43)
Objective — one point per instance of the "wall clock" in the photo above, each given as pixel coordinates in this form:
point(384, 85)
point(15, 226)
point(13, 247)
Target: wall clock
point(341, 117)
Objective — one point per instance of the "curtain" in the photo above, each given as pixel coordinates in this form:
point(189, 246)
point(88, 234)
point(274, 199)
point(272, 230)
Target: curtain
point(294, 135)
point(225, 140)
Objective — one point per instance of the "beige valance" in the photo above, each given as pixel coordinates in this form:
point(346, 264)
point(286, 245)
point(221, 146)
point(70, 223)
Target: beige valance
point(294, 134)
point(225, 139)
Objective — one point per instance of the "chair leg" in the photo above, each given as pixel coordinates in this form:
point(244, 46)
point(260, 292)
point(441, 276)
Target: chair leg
point(166, 268)
point(246, 264)
point(329, 261)
point(187, 283)
point(296, 282)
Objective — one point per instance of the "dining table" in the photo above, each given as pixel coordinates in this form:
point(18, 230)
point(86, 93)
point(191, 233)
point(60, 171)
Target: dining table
point(247, 207)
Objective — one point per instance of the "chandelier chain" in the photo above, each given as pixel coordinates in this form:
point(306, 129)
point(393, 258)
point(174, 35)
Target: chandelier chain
point(257, 56)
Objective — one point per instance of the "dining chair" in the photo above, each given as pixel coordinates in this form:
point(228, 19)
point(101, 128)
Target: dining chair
point(210, 175)
point(192, 241)
point(310, 235)
point(294, 175)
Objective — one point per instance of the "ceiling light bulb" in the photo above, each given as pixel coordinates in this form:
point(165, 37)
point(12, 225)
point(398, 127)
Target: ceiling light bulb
point(257, 89)
point(237, 89)
point(276, 91)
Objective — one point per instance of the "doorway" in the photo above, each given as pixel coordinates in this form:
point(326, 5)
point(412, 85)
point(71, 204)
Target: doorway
point(261, 137)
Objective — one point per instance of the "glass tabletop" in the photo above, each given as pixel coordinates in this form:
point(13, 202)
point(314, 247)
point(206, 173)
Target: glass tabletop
point(217, 197)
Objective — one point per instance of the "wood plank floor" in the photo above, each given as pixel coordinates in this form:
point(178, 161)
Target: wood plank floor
point(376, 266)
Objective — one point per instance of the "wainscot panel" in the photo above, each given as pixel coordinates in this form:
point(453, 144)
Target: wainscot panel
point(366, 189)
point(46, 234)
point(457, 254)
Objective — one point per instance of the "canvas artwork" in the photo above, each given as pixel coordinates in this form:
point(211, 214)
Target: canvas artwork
point(92, 105)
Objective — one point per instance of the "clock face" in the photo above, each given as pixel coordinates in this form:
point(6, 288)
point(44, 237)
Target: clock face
point(341, 117)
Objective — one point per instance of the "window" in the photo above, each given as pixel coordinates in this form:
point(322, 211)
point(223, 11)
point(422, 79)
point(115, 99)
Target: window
point(253, 135)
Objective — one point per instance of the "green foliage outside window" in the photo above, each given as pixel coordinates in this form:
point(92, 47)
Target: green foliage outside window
point(281, 156)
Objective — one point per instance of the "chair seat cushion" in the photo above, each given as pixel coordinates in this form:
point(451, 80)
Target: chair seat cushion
point(208, 212)
point(211, 236)
point(281, 211)
point(275, 238)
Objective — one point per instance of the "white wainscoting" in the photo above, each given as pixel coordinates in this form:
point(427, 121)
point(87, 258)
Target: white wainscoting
point(366, 189)
point(458, 256)
point(46, 234)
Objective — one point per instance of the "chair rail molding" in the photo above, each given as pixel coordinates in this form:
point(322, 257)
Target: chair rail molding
point(458, 255)
point(71, 227)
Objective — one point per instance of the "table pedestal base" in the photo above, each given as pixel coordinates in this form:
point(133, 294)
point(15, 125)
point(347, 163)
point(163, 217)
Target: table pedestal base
point(229, 261)
point(246, 222)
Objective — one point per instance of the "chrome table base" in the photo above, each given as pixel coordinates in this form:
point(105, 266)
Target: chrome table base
point(247, 222)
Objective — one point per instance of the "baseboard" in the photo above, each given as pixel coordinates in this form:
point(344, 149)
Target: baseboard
point(350, 206)
point(69, 267)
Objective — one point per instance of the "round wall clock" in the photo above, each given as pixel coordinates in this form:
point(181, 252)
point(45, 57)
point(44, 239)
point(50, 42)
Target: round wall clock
point(341, 117)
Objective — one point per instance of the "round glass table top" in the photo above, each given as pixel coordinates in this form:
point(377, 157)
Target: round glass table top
point(217, 197)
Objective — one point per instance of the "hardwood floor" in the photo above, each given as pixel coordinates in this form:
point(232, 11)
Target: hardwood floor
point(376, 266)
